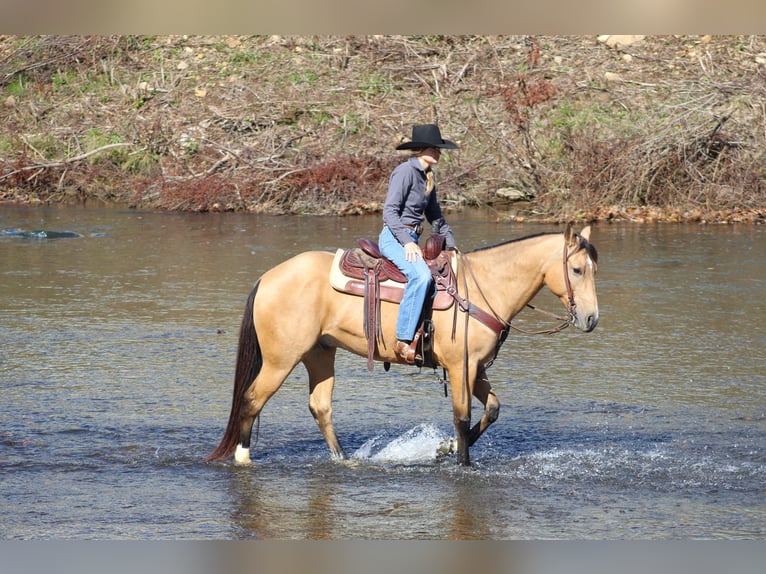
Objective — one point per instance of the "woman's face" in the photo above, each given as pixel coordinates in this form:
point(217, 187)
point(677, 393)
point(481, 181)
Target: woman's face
point(431, 155)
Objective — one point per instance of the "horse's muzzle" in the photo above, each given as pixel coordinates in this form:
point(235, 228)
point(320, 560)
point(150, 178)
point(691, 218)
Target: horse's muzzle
point(586, 323)
point(590, 323)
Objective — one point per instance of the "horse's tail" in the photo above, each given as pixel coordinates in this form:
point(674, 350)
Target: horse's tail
point(249, 363)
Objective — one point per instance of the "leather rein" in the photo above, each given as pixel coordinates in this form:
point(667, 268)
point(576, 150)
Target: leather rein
point(503, 331)
point(499, 325)
point(571, 305)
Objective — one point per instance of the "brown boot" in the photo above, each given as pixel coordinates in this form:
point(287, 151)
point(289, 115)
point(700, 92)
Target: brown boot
point(407, 351)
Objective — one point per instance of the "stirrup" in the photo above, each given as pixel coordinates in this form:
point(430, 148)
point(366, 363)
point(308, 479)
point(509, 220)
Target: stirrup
point(408, 351)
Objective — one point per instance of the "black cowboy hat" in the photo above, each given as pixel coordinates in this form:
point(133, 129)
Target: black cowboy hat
point(426, 136)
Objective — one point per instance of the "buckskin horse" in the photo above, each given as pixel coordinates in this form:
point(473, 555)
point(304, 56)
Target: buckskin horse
point(293, 314)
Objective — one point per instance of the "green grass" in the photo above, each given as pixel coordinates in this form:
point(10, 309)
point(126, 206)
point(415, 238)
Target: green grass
point(375, 84)
point(47, 145)
point(7, 146)
point(571, 116)
point(306, 78)
point(16, 86)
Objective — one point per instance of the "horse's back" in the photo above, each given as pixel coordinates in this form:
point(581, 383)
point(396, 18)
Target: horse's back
point(303, 278)
point(309, 265)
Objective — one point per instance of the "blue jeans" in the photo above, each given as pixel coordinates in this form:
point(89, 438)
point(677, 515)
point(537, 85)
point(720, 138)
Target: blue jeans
point(418, 283)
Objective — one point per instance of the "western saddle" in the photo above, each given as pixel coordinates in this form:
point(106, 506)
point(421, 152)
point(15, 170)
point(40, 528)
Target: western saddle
point(366, 272)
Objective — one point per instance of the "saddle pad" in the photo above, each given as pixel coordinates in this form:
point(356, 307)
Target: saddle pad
point(390, 290)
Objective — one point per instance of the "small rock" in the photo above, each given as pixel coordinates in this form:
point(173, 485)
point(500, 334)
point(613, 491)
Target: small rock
point(511, 194)
point(620, 41)
point(612, 77)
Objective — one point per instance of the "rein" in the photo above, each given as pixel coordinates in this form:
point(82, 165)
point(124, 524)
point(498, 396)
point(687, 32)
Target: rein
point(497, 323)
point(565, 321)
point(502, 334)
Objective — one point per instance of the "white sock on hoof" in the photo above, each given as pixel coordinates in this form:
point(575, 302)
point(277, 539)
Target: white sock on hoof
point(242, 455)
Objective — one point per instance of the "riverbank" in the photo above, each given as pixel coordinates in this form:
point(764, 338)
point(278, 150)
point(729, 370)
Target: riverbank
point(656, 128)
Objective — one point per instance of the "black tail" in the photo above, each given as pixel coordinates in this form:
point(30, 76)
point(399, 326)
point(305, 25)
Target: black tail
point(249, 362)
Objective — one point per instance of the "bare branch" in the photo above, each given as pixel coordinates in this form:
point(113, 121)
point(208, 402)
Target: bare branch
point(63, 162)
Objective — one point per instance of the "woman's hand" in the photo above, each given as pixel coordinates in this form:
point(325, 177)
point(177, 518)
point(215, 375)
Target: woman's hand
point(412, 251)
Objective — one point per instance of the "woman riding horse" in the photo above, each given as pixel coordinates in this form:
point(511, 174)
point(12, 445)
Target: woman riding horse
point(294, 315)
point(411, 198)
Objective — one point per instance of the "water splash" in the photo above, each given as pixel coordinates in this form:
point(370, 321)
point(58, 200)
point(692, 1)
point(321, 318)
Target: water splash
point(663, 468)
point(418, 444)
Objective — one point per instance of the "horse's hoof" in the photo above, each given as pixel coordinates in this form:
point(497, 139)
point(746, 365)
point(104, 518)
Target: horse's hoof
point(447, 447)
point(242, 456)
point(338, 456)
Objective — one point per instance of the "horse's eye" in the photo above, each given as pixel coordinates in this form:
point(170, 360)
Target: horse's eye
point(577, 270)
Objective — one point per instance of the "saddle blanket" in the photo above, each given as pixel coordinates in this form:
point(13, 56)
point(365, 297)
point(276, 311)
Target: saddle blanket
point(390, 290)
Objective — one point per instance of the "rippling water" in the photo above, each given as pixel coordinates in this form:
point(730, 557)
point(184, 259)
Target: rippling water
point(118, 337)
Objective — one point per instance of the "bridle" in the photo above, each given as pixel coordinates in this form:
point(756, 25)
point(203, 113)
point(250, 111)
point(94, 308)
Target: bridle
point(502, 327)
point(570, 294)
point(571, 305)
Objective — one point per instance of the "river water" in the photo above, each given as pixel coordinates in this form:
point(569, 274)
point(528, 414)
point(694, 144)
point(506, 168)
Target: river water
point(118, 339)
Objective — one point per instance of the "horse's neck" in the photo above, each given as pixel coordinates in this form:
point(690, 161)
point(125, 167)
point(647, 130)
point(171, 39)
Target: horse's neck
point(511, 274)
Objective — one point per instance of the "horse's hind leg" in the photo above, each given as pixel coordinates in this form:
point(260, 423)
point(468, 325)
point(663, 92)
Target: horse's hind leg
point(482, 390)
point(267, 383)
point(320, 364)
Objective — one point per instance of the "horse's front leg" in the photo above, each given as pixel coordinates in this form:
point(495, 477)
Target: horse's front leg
point(482, 390)
point(461, 387)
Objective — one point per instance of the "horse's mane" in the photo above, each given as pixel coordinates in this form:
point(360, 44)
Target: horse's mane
point(584, 244)
point(509, 241)
point(589, 247)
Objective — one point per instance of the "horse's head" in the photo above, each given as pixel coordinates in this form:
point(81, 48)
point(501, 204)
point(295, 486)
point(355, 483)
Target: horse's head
point(573, 280)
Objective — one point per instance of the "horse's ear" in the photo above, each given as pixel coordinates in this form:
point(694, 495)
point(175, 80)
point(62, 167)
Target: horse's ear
point(585, 233)
point(569, 234)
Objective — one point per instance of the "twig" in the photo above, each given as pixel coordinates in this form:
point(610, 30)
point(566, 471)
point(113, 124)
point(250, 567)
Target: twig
point(63, 162)
point(10, 75)
point(211, 170)
point(229, 152)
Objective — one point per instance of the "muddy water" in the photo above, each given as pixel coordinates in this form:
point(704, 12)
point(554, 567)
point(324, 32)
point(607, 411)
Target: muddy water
point(117, 340)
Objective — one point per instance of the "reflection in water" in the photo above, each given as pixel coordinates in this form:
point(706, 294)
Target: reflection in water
point(116, 360)
point(331, 503)
point(252, 510)
point(320, 513)
point(270, 507)
point(472, 516)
